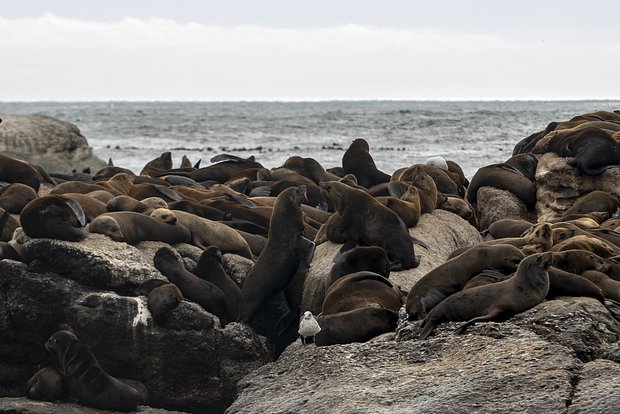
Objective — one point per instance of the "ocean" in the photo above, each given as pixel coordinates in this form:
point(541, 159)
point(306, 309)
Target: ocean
point(400, 133)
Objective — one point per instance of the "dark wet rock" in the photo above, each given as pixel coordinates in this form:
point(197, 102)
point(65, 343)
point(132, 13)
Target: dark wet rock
point(55, 145)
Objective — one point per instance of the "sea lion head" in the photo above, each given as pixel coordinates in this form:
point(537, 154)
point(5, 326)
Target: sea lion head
point(360, 144)
point(537, 260)
point(106, 225)
point(165, 215)
point(59, 341)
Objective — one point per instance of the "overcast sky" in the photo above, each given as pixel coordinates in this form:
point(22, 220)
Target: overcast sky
point(308, 50)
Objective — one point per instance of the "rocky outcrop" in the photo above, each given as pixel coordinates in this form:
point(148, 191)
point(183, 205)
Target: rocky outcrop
point(55, 145)
point(526, 364)
point(558, 185)
point(26, 406)
point(187, 363)
point(495, 204)
point(440, 230)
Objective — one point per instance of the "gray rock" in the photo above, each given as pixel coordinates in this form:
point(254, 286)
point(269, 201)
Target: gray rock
point(494, 204)
point(26, 406)
point(558, 187)
point(441, 230)
point(598, 390)
point(55, 145)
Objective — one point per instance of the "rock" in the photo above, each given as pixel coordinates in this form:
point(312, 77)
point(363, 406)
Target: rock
point(533, 362)
point(441, 230)
point(494, 204)
point(55, 145)
point(26, 406)
point(598, 390)
point(189, 363)
point(558, 186)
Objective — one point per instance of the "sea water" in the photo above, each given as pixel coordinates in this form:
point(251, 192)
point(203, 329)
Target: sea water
point(400, 133)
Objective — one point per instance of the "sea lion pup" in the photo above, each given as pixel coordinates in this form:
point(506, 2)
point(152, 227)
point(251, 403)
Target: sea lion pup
point(360, 290)
point(206, 232)
point(283, 254)
point(444, 181)
point(508, 228)
point(132, 228)
point(367, 221)
point(594, 201)
point(308, 327)
point(14, 197)
point(404, 200)
point(419, 178)
point(210, 268)
point(46, 384)
point(158, 165)
point(128, 203)
point(87, 383)
point(504, 177)
point(358, 161)
point(521, 292)
point(55, 217)
point(369, 258)
point(459, 207)
point(91, 206)
point(578, 261)
point(451, 276)
point(193, 288)
point(13, 170)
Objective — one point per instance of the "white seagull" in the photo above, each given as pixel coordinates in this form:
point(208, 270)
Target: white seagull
point(308, 326)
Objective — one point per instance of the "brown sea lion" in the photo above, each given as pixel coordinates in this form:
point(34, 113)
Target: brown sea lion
point(508, 228)
point(563, 283)
point(358, 161)
point(91, 206)
point(55, 217)
point(87, 383)
point(14, 197)
point(13, 170)
point(46, 384)
point(592, 150)
point(128, 203)
point(578, 261)
point(360, 290)
point(162, 300)
point(417, 176)
point(594, 201)
point(101, 195)
point(311, 168)
point(589, 243)
point(158, 165)
point(612, 223)
point(444, 182)
point(280, 259)
point(451, 276)
point(504, 177)
point(369, 258)
point(369, 222)
point(404, 200)
point(525, 163)
point(199, 209)
point(132, 228)
point(206, 232)
point(521, 292)
point(358, 325)
point(193, 288)
point(109, 172)
point(459, 207)
point(210, 268)
point(609, 286)
point(226, 166)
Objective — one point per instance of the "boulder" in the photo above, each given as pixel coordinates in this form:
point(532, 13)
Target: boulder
point(526, 364)
point(55, 145)
point(441, 230)
point(558, 186)
point(494, 204)
point(26, 406)
point(598, 390)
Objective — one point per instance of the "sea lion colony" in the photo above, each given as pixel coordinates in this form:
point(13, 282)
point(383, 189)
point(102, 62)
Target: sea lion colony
point(276, 217)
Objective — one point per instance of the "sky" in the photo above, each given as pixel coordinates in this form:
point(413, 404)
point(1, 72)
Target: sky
point(308, 50)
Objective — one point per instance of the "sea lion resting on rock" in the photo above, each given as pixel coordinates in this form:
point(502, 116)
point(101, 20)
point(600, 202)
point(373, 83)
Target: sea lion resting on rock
point(55, 217)
point(87, 383)
point(358, 161)
point(206, 232)
point(367, 221)
point(521, 292)
point(132, 228)
point(46, 384)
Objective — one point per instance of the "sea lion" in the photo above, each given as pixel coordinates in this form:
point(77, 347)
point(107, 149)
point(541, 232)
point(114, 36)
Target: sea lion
point(578, 261)
point(128, 203)
point(210, 268)
point(358, 161)
point(91, 206)
point(278, 263)
point(404, 200)
point(225, 167)
point(504, 177)
point(193, 288)
point(55, 217)
point(132, 228)
point(206, 232)
point(311, 168)
point(589, 243)
point(13, 170)
point(158, 165)
point(14, 197)
point(451, 276)
point(369, 222)
point(524, 163)
point(87, 383)
point(593, 150)
point(360, 290)
point(508, 228)
point(456, 169)
point(46, 384)
point(199, 209)
point(419, 178)
point(521, 292)
point(594, 201)
point(162, 300)
point(370, 258)
point(110, 171)
point(102, 195)
point(486, 277)
point(459, 207)
point(563, 283)
point(444, 182)
point(609, 286)
point(357, 325)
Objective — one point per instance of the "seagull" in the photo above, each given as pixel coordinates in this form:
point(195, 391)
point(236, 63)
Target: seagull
point(308, 326)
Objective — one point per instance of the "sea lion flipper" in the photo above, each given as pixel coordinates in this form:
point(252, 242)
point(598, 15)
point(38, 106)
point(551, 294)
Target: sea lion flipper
point(396, 189)
point(162, 189)
point(306, 247)
point(419, 242)
point(77, 210)
point(493, 274)
point(227, 157)
point(261, 191)
point(487, 317)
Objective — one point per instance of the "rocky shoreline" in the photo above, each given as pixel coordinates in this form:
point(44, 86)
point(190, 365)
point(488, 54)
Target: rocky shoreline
point(560, 356)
